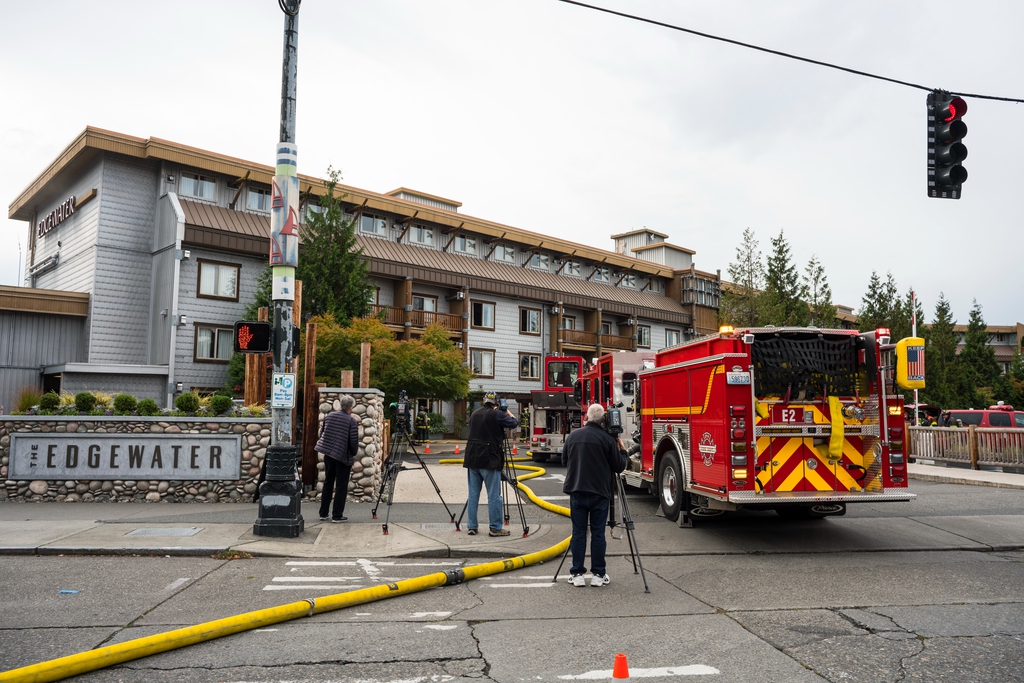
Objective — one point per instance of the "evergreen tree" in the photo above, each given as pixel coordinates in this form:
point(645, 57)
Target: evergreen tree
point(978, 360)
point(742, 301)
point(941, 372)
point(819, 295)
point(880, 305)
point(331, 267)
point(783, 293)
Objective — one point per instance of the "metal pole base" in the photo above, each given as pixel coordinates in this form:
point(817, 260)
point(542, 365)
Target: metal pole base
point(280, 509)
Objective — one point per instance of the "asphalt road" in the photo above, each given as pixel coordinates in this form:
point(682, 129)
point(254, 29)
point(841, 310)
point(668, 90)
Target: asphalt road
point(817, 616)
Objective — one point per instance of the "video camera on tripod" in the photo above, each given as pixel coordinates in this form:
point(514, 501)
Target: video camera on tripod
point(402, 409)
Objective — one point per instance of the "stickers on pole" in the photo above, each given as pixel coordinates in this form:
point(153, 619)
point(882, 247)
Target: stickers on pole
point(284, 208)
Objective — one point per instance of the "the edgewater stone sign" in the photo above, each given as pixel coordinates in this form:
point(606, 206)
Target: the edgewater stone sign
point(93, 456)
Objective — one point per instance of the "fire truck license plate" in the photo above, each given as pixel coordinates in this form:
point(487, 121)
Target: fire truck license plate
point(787, 414)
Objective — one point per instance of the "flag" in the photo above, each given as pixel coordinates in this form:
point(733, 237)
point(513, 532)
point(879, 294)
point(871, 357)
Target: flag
point(915, 363)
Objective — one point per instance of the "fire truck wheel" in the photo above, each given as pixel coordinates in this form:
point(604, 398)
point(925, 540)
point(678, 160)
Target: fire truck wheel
point(670, 485)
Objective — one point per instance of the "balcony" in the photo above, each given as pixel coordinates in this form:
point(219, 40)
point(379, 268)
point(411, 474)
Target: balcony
point(394, 315)
point(579, 337)
point(614, 341)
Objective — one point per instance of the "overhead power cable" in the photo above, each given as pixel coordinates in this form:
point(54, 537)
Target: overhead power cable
point(779, 53)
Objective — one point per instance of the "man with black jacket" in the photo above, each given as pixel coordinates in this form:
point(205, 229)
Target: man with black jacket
point(339, 442)
point(591, 457)
point(485, 456)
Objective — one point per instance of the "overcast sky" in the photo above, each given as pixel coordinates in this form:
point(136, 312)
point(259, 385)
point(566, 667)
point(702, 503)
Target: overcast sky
point(574, 123)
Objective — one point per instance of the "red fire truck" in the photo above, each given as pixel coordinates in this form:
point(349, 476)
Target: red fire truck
point(554, 410)
point(612, 382)
point(799, 420)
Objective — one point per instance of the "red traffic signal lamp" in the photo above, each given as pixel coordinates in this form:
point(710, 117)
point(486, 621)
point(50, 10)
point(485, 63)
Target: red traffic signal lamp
point(946, 129)
point(253, 337)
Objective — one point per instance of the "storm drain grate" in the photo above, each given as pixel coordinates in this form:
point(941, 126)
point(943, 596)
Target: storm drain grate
point(190, 531)
point(438, 526)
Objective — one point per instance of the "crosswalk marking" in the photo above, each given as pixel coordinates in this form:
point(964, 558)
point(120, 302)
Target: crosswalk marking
point(691, 670)
point(308, 587)
point(317, 578)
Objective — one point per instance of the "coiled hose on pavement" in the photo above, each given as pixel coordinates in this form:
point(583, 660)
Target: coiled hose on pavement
point(91, 660)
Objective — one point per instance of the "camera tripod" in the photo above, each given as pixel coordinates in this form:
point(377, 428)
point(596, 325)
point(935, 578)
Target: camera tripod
point(401, 444)
point(627, 524)
point(508, 479)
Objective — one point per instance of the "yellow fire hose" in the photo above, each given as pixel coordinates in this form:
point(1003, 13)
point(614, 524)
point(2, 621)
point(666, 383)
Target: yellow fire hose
point(91, 660)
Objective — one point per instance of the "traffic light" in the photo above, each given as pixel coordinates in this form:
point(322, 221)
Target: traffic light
point(252, 337)
point(946, 129)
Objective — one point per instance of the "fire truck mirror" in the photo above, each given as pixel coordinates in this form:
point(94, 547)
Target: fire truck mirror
point(577, 392)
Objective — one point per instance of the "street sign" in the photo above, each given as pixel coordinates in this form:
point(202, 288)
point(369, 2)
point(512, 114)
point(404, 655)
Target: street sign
point(282, 393)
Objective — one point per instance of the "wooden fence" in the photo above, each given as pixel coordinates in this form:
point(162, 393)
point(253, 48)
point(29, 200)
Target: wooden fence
point(974, 446)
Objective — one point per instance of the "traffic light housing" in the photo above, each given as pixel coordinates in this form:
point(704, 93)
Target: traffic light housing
point(253, 337)
point(946, 129)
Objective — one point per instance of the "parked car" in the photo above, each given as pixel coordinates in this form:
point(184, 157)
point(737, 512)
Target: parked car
point(999, 416)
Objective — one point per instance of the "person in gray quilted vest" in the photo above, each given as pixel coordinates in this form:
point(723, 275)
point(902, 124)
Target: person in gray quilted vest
point(339, 442)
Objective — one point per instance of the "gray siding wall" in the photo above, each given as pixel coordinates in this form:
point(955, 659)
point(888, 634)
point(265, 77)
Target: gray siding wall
point(119, 324)
point(139, 386)
point(77, 236)
point(199, 311)
point(28, 341)
point(507, 343)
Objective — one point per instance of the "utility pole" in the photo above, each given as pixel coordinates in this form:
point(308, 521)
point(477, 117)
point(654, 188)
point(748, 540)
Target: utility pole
point(280, 505)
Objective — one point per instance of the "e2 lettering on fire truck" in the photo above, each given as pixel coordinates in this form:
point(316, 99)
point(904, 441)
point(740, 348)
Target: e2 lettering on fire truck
point(799, 420)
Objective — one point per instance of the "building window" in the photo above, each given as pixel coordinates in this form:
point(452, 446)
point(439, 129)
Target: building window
point(421, 235)
point(568, 322)
point(529, 320)
point(482, 362)
point(424, 303)
point(505, 253)
point(314, 208)
point(606, 328)
point(199, 186)
point(483, 315)
point(373, 225)
point(218, 280)
point(258, 200)
point(628, 280)
point(572, 268)
point(214, 344)
point(654, 286)
point(529, 366)
point(540, 261)
point(672, 337)
point(465, 244)
point(643, 336)
point(602, 275)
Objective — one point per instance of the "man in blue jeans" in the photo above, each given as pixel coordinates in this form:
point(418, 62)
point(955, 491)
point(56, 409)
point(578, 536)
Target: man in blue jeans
point(485, 456)
point(591, 457)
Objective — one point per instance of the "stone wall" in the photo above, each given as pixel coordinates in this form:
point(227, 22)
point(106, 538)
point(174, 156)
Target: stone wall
point(255, 439)
point(366, 470)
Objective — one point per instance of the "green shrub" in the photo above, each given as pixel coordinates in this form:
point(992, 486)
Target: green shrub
point(187, 403)
point(124, 404)
point(49, 401)
point(85, 401)
point(147, 407)
point(437, 423)
point(221, 404)
point(28, 398)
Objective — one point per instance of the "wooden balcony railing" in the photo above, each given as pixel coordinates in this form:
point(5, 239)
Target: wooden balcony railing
point(579, 337)
point(614, 341)
point(450, 322)
point(419, 319)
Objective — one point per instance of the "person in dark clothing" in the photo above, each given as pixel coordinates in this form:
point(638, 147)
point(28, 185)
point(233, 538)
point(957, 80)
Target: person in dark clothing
point(485, 456)
point(591, 457)
point(422, 427)
point(339, 442)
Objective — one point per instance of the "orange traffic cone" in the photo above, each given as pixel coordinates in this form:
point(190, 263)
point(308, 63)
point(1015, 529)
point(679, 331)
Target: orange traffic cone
point(621, 667)
point(456, 448)
point(515, 451)
point(428, 447)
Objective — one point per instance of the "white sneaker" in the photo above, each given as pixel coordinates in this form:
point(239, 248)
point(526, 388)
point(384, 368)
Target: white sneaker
point(578, 580)
point(596, 580)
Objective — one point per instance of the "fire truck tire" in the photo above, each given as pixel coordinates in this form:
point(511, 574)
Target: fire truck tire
point(670, 485)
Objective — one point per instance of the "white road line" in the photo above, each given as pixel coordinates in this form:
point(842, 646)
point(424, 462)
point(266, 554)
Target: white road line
point(266, 630)
point(553, 497)
point(319, 564)
point(441, 627)
point(556, 477)
point(309, 587)
point(691, 670)
point(317, 578)
point(520, 585)
point(175, 584)
point(421, 615)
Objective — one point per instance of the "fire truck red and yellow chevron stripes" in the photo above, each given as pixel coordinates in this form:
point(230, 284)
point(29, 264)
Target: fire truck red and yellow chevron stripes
point(797, 464)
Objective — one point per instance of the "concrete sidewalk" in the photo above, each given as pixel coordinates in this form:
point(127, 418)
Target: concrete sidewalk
point(209, 529)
